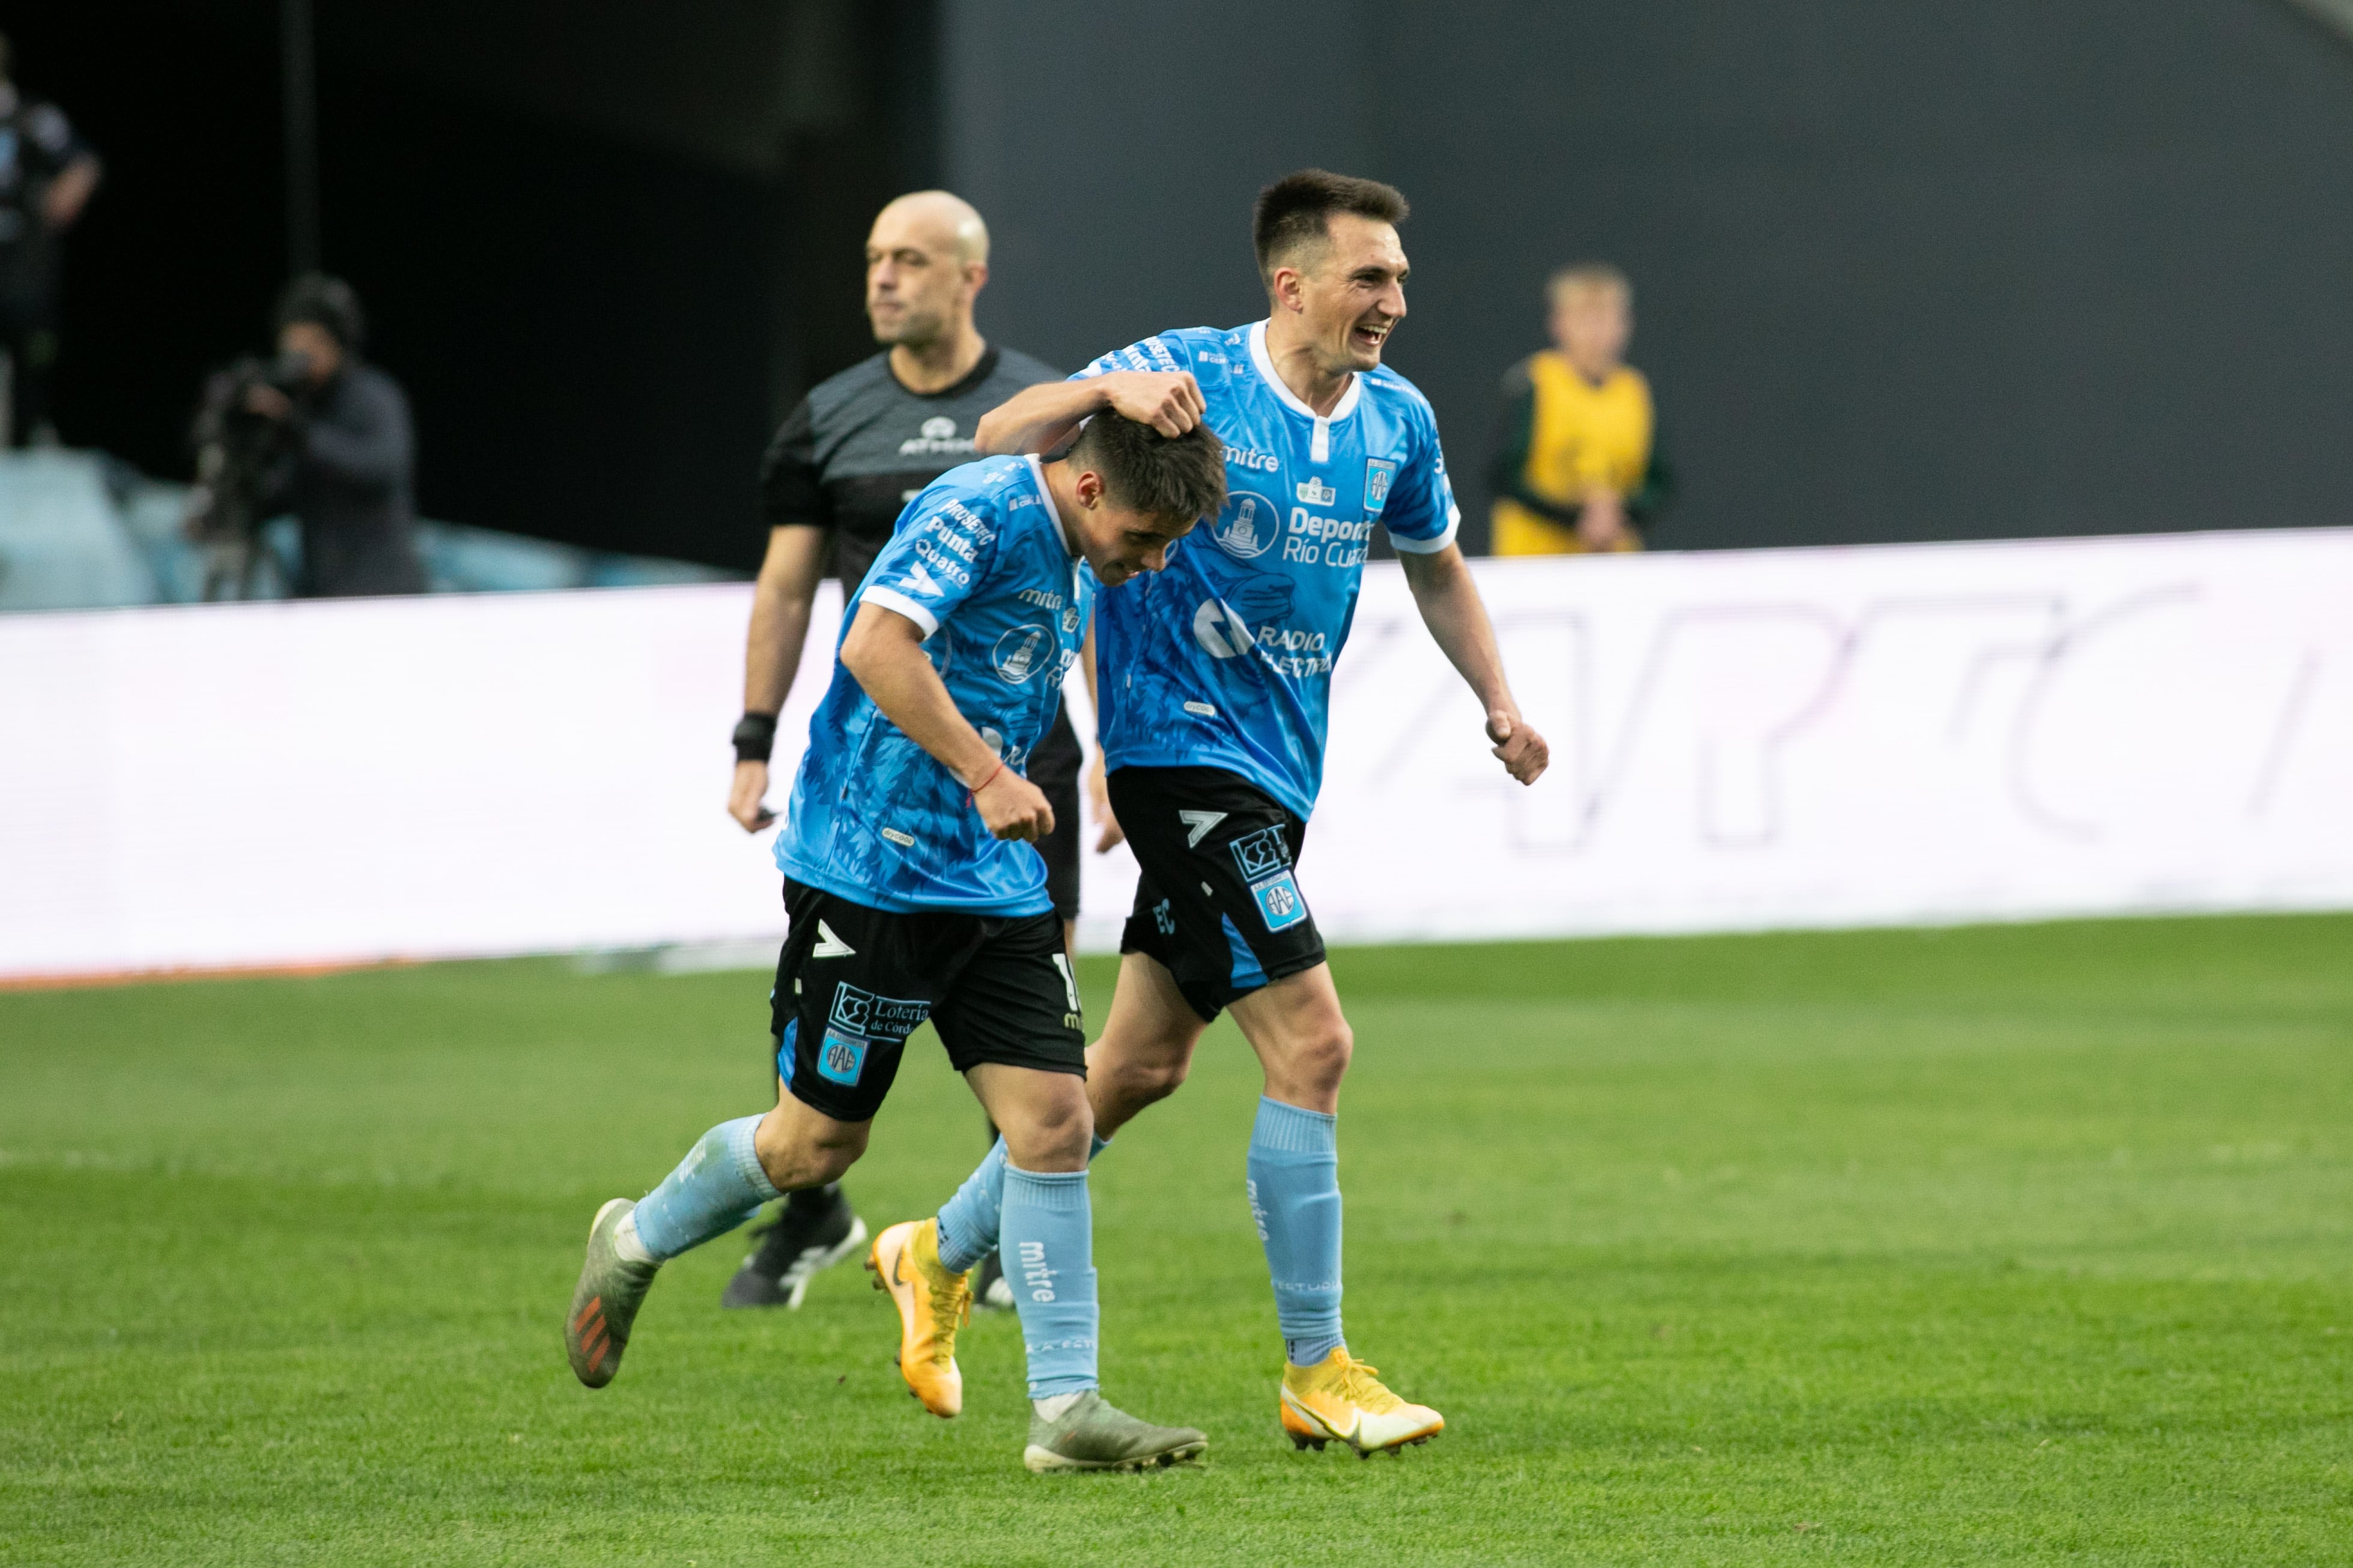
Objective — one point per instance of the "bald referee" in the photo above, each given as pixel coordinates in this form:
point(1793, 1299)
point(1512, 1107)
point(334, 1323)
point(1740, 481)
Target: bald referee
point(850, 457)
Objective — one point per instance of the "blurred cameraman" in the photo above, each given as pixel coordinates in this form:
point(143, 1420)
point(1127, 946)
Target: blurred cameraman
point(348, 467)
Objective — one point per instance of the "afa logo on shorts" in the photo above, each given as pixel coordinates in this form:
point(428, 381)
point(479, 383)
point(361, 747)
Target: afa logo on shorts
point(1279, 903)
point(841, 1057)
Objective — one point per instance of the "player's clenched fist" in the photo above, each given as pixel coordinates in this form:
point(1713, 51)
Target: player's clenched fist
point(1013, 806)
point(1523, 752)
point(1167, 400)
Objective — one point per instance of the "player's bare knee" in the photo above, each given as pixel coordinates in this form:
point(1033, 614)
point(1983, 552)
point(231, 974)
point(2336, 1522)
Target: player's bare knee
point(797, 1151)
point(1051, 1132)
point(1321, 1056)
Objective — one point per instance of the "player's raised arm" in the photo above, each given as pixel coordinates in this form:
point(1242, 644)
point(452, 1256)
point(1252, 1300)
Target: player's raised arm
point(884, 652)
point(1042, 417)
point(1447, 598)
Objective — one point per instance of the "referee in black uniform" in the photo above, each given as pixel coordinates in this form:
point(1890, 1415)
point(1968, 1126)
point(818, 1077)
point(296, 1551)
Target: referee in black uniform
point(837, 474)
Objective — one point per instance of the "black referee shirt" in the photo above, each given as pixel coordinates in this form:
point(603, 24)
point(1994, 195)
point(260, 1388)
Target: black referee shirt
point(859, 448)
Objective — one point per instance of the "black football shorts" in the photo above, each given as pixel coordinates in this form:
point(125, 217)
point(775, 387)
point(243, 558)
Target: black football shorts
point(1218, 905)
point(852, 983)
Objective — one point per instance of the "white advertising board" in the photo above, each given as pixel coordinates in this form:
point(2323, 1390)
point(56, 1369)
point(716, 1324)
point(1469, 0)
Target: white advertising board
point(1751, 740)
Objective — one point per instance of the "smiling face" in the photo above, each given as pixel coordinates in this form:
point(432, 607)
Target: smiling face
point(921, 272)
point(1350, 291)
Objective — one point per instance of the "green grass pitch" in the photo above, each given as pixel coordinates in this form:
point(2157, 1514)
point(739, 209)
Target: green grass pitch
point(2006, 1245)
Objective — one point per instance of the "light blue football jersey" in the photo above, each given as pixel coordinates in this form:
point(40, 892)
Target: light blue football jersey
point(979, 561)
point(1224, 660)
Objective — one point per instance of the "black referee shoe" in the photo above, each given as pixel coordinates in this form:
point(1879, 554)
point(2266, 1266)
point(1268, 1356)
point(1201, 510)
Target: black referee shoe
point(810, 1231)
point(989, 1289)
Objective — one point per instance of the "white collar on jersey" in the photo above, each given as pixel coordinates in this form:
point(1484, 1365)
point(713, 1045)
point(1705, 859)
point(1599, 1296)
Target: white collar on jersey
point(1046, 492)
point(1319, 447)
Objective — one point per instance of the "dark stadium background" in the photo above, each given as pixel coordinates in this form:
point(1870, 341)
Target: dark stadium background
point(2003, 270)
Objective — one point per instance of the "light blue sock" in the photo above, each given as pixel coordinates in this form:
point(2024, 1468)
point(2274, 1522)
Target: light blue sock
point(1295, 1193)
point(1048, 1239)
point(715, 1188)
point(970, 1220)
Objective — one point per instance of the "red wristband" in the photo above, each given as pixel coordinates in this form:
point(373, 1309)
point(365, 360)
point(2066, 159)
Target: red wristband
point(992, 777)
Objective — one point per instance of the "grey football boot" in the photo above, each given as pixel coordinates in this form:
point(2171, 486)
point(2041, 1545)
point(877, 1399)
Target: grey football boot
point(605, 1303)
point(1093, 1435)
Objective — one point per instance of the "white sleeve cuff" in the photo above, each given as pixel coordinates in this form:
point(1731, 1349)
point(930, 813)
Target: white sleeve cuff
point(899, 604)
point(1422, 546)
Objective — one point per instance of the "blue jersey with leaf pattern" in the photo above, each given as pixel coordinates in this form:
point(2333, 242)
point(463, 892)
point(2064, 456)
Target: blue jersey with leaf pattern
point(1224, 660)
point(978, 560)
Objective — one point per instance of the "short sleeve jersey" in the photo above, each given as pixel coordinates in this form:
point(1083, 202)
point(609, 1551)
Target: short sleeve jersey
point(1224, 660)
point(859, 446)
point(979, 561)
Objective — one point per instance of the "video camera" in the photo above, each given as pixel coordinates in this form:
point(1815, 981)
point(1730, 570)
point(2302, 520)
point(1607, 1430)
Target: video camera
point(239, 453)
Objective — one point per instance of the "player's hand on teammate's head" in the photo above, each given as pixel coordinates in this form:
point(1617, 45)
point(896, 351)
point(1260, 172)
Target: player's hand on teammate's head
point(744, 802)
point(1013, 807)
point(1523, 751)
point(1167, 400)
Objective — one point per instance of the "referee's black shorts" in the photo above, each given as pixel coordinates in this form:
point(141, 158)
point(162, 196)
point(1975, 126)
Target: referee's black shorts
point(1218, 904)
point(1054, 765)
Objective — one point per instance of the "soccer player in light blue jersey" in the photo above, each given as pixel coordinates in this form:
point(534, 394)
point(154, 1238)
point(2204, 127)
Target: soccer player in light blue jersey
point(913, 891)
point(1215, 678)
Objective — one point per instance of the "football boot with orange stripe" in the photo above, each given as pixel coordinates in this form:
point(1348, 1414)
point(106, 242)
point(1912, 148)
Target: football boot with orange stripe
point(605, 1303)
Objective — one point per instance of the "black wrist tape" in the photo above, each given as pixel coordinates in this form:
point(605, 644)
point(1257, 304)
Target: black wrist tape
point(755, 737)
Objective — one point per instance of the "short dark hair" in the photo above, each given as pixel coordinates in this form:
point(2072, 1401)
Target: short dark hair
point(1297, 208)
point(327, 302)
point(1180, 478)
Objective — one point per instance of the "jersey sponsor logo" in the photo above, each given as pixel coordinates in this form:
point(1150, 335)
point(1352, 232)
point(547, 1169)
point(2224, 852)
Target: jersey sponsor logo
point(938, 435)
point(1039, 597)
point(1200, 822)
point(903, 840)
point(1261, 462)
point(1279, 903)
point(1070, 622)
point(1205, 709)
point(829, 945)
point(1314, 539)
point(842, 1058)
point(1316, 492)
point(1249, 526)
point(1378, 473)
point(1021, 653)
point(1220, 632)
point(949, 567)
point(859, 1011)
point(1262, 854)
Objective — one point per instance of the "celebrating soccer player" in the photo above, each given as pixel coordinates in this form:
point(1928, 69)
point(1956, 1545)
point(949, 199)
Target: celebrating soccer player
point(842, 467)
point(1215, 678)
point(913, 890)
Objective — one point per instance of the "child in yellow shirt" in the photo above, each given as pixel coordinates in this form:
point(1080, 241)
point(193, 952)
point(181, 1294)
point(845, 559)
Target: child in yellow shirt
point(1579, 469)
